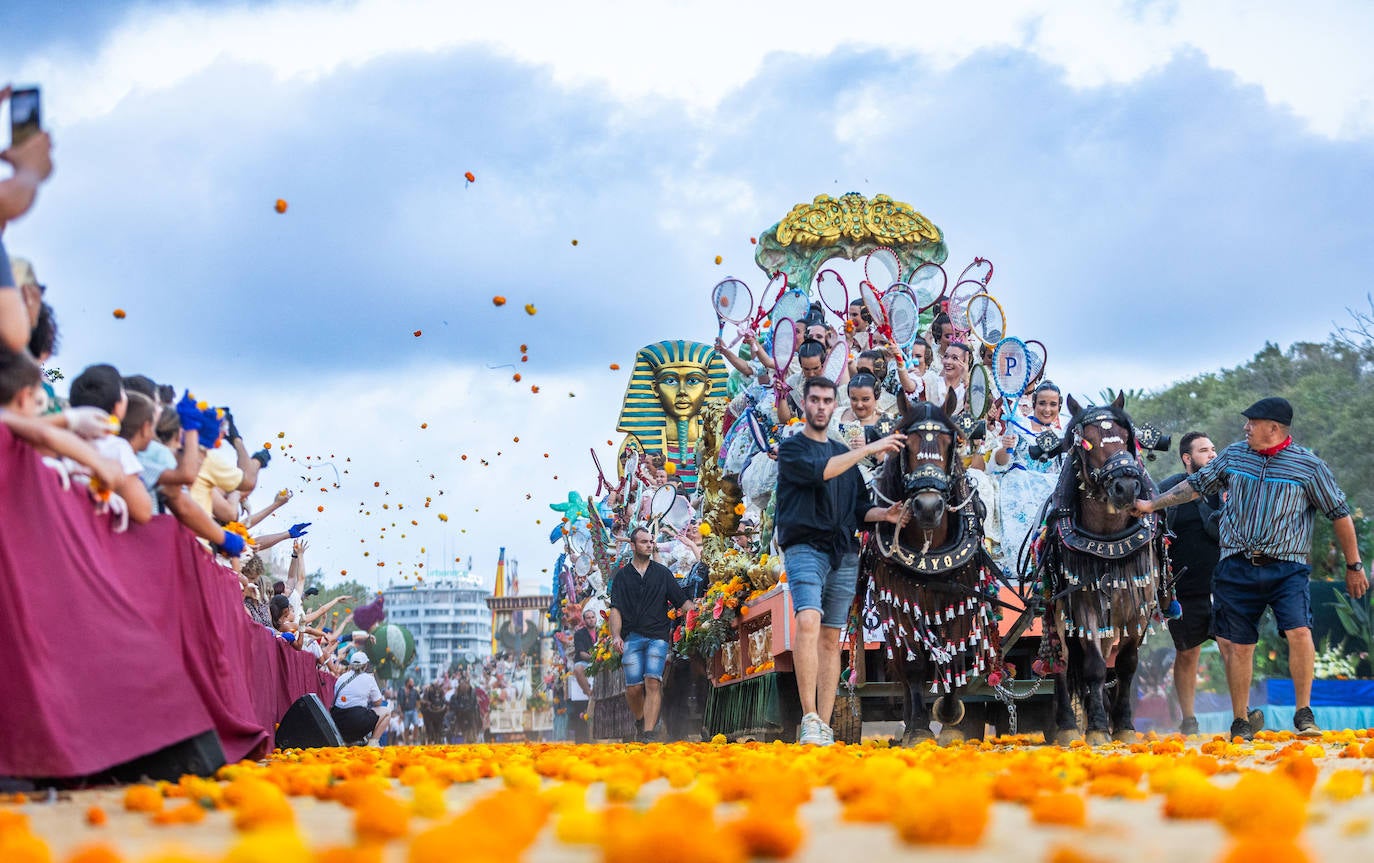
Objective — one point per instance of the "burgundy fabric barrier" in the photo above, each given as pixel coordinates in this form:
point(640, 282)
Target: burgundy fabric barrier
point(121, 644)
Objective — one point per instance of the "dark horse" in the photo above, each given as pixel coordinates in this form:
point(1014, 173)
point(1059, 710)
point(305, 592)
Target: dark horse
point(931, 576)
point(1101, 570)
point(463, 713)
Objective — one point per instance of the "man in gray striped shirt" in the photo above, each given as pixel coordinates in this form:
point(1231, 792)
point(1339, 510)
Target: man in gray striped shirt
point(1273, 489)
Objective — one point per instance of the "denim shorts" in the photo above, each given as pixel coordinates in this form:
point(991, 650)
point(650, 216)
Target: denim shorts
point(1241, 592)
point(816, 586)
point(643, 657)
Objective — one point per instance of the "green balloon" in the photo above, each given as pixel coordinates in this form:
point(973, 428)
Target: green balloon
point(392, 651)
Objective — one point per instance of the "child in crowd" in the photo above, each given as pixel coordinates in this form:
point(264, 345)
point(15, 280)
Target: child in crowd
point(100, 386)
point(20, 400)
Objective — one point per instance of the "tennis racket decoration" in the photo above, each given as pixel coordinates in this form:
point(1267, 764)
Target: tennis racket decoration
point(979, 396)
point(956, 303)
point(1010, 369)
point(835, 361)
point(733, 302)
point(882, 266)
point(928, 283)
point(903, 316)
point(784, 349)
point(679, 514)
point(985, 319)
point(784, 344)
point(661, 502)
point(833, 292)
point(777, 286)
point(979, 271)
point(873, 303)
point(601, 481)
point(763, 439)
point(1036, 354)
point(792, 304)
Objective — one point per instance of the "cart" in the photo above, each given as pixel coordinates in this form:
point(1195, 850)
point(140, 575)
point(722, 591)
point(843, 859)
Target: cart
point(754, 692)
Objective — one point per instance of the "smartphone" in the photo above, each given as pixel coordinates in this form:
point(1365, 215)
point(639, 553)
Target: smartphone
point(25, 116)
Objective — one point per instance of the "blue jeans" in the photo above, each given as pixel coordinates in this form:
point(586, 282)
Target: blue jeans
point(816, 586)
point(643, 657)
point(1241, 591)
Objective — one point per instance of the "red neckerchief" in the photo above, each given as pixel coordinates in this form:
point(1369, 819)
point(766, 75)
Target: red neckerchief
point(1276, 448)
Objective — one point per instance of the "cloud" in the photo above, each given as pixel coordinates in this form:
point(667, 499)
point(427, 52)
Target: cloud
point(701, 52)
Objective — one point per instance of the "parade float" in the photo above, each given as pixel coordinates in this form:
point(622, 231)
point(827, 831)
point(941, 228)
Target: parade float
point(678, 471)
point(519, 675)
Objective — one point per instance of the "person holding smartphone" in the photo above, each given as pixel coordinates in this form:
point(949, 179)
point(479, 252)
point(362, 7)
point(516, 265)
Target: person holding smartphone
point(31, 159)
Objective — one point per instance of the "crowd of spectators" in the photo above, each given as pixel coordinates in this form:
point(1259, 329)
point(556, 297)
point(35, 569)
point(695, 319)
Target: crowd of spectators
point(139, 451)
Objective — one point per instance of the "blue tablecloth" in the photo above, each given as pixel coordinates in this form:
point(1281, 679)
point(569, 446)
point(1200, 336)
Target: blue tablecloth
point(1280, 718)
point(1325, 693)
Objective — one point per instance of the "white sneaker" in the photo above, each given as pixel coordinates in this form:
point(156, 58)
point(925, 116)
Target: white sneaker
point(812, 731)
point(828, 734)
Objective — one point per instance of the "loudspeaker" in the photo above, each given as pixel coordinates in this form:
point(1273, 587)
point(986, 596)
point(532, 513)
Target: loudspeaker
point(307, 725)
point(200, 756)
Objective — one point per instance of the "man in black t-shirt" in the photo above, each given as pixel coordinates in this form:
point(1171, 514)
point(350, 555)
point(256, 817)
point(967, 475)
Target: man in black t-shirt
point(821, 502)
point(642, 591)
point(1194, 553)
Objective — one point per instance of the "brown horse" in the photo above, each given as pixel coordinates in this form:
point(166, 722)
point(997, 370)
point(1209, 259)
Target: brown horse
point(1101, 571)
point(931, 576)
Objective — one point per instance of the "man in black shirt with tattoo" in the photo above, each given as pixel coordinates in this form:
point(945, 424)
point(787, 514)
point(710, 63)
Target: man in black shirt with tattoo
point(642, 591)
point(1193, 555)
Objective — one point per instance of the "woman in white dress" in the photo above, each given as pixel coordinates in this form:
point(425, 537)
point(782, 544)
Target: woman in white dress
point(1025, 482)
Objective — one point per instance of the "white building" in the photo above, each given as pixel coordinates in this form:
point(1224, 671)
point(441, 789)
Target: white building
point(448, 616)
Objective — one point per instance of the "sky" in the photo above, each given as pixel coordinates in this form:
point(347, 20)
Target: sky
point(1162, 186)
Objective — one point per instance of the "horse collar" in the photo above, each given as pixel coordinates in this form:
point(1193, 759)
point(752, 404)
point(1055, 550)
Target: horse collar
point(936, 562)
point(1113, 546)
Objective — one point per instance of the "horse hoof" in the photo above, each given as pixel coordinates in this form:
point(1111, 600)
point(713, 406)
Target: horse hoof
point(917, 736)
point(1067, 736)
point(950, 736)
point(949, 710)
point(1098, 738)
point(1126, 735)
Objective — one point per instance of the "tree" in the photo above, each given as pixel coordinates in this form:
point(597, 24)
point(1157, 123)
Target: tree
point(1331, 388)
point(354, 592)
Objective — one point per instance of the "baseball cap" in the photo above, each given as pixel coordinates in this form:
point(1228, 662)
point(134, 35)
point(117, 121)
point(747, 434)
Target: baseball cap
point(358, 658)
point(1271, 408)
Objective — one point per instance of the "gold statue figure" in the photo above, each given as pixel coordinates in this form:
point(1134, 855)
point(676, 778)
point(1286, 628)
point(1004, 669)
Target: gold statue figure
point(662, 409)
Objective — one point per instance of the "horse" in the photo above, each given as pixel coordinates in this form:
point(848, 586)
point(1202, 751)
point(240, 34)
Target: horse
point(464, 718)
point(932, 578)
point(1101, 569)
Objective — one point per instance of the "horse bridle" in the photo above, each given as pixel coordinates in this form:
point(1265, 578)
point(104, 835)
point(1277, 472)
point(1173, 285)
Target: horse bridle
point(927, 477)
point(1120, 464)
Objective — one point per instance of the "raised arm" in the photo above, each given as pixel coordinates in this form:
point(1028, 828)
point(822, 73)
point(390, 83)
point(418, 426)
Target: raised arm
point(295, 574)
point(189, 460)
point(322, 610)
point(64, 443)
point(733, 358)
point(198, 521)
point(249, 465)
point(838, 464)
point(277, 503)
